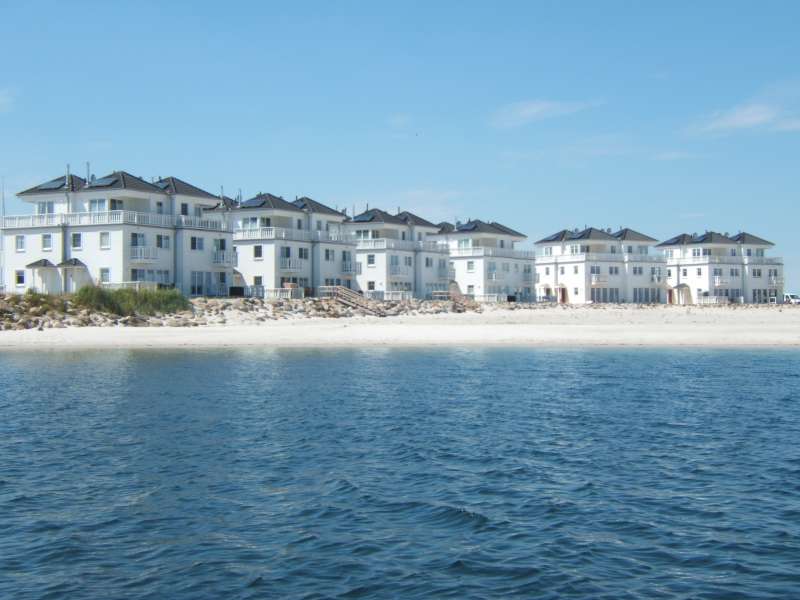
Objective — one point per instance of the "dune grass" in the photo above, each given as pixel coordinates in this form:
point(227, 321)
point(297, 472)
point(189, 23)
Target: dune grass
point(126, 302)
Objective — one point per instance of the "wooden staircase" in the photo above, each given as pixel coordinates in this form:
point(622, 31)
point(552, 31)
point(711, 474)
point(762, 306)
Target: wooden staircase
point(349, 298)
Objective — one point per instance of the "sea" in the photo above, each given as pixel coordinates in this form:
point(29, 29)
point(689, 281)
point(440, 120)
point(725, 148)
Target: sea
point(399, 473)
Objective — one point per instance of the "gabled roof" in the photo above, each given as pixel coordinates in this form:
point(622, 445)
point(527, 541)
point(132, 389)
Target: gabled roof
point(749, 238)
point(507, 230)
point(121, 180)
point(592, 233)
point(42, 263)
point(306, 203)
point(629, 235)
point(268, 201)
point(72, 262)
point(173, 185)
point(559, 236)
point(376, 215)
point(55, 185)
point(712, 237)
point(445, 227)
point(411, 219)
point(678, 240)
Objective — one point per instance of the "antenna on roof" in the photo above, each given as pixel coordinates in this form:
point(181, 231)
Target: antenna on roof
point(88, 170)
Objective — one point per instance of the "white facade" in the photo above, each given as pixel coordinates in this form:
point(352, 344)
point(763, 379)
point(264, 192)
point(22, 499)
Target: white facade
point(485, 261)
point(299, 243)
point(594, 266)
point(716, 268)
point(117, 231)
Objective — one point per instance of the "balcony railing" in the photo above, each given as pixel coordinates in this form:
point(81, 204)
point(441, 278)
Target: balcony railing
point(333, 236)
point(720, 281)
point(225, 257)
point(495, 275)
point(385, 244)
point(144, 253)
point(599, 279)
point(130, 285)
point(485, 251)
point(351, 268)
point(113, 217)
point(272, 233)
point(291, 264)
point(399, 270)
point(775, 281)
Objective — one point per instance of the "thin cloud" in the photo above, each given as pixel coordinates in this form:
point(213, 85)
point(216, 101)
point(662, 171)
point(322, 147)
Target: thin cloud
point(6, 100)
point(770, 112)
point(530, 111)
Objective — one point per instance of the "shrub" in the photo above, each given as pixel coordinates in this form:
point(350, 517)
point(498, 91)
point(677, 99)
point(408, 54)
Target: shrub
point(126, 302)
point(46, 301)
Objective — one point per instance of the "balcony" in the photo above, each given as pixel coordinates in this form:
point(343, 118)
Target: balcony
point(498, 252)
point(273, 233)
point(200, 223)
point(113, 217)
point(495, 275)
point(775, 281)
point(291, 264)
point(399, 270)
point(662, 279)
point(333, 236)
point(226, 258)
point(144, 254)
point(351, 268)
point(599, 280)
point(385, 244)
point(720, 281)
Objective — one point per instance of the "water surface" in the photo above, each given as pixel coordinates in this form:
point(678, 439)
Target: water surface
point(400, 473)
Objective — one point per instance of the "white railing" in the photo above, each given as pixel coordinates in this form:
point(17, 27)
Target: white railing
point(272, 233)
point(144, 253)
point(385, 244)
point(130, 285)
point(297, 293)
point(400, 270)
point(225, 257)
point(487, 298)
point(775, 281)
point(763, 260)
point(485, 251)
point(658, 279)
point(200, 223)
point(291, 264)
point(397, 296)
point(349, 267)
point(495, 275)
point(433, 247)
point(720, 281)
point(333, 236)
point(19, 221)
point(713, 300)
point(599, 279)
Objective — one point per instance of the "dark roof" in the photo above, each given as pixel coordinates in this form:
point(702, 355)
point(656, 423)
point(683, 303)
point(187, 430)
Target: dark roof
point(559, 236)
point(712, 237)
point(678, 240)
point(412, 219)
point(445, 227)
point(309, 204)
point(121, 180)
point(592, 233)
point(72, 262)
point(629, 235)
point(376, 215)
point(268, 201)
point(173, 185)
point(507, 230)
point(749, 238)
point(55, 185)
point(42, 263)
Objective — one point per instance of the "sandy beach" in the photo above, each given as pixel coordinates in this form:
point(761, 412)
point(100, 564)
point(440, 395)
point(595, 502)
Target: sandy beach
point(741, 327)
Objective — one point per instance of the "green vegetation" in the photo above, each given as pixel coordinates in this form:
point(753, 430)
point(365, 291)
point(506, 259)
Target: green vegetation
point(33, 299)
point(127, 302)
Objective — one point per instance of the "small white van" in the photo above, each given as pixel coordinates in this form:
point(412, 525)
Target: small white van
point(791, 298)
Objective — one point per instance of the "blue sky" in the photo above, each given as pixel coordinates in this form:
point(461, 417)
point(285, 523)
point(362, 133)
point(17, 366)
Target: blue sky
point(673, 118)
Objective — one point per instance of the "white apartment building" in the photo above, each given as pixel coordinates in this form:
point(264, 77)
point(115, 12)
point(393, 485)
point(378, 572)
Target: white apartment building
point(118, 231)
point(301, 243)
point(716, 268)
point(397, 258)
point(485, 262)
point(594, 265)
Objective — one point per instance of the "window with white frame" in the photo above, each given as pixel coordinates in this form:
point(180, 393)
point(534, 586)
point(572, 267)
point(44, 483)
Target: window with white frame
point(45, 208)
point(408, 261)
point(370, 260)
point(428, 262)
point(330, 255)
point(77, 241)
point(19, 243)
point(594, 270)
point(105, 240)
point(196, 243)
point(302, 253)
point(371, 286)
point(47, 242)
point(116, 204)
point(756, 272)
point(137, 240)
point(258, 280)
point(470, 266)
point(699, 272)
point(105, 275)
point(258, 252)
point(97, 205)
point(19, 277)
point(162, 241)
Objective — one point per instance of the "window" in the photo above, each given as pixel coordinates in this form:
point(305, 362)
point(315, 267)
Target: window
point(77, 242)
point(734, 272)
point(371, 261)
point(330, 254)
point(19, 277)
point(19, 243)
point(695, 251)
point(428, 262)
point(105, 240)
point(47, 241)
point(409, 261)
point(299, 223)
point(258, 252)
point(258, 280)
point(733, 251)
point(561, 270)
point(286, 252)
point(669, 272)
point(160, 207)
point(371, 285)
point(105, 275)
point(45, 208)
point(717, 272)
point(162, 241)
point(575, 291)
point(471, 290)
point(302, 253)
point(637, 270)
point(137, 275)
point(137, 240)
point(116, 204)
point(548, 251)
point(684, 272)
point(185, 210)
point(265, 221)
point(699, 272)
point(613, 270)
point(470, 266)
point(198, 211)
point(97, 205)
point(502, 243)
point(756, 272)
point(547, 270)
point(196, 243)
point(575, 269)
point(196, 283)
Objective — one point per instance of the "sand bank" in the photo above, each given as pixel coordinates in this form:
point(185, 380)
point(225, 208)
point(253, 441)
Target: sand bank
point(746, 326)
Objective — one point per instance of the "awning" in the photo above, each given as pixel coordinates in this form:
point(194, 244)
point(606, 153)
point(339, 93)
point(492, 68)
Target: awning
point(72, 263)
point(41, 264)
point(681, 286)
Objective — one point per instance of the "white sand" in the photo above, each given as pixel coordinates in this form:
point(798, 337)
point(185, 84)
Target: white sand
point(763, 326)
